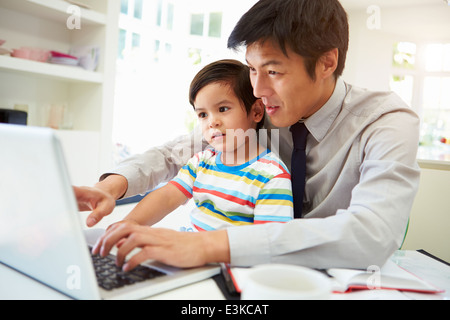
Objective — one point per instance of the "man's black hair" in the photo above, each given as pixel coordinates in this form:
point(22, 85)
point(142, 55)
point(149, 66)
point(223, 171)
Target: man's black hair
point(310, 28)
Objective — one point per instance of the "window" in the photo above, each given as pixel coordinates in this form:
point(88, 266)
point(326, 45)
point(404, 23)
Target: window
point(405, 55)
point(136, 42)
point(162, 45)
point(424, 84)
point(215, 24)
point(403, 86)
point(124, 6)
point(170, 15)
point(122, 41)
point(195, 56)
point(138, 9)
point(438, 57)
point(159, 12)
point(157, 44)
point(197, 22)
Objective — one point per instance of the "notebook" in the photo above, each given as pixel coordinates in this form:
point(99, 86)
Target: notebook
point(41, 232)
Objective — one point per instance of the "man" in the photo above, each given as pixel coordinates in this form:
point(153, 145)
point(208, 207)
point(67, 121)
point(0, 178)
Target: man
point(361, 171)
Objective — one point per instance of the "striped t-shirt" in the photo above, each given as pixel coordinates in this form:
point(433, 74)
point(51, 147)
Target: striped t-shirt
point(258, 191)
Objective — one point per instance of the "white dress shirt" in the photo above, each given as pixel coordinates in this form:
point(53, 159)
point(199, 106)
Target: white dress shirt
point(361, 180)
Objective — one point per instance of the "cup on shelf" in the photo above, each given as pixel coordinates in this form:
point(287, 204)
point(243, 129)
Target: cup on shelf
point(58, 116)
point(88, 56)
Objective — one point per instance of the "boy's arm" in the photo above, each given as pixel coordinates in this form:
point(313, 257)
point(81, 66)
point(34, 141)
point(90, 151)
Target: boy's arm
point(275, 203)
point(156, 205)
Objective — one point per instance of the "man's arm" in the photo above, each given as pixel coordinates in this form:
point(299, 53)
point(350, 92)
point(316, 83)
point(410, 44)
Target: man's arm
point(137, 175)
point(366, 232)
point(146, 171)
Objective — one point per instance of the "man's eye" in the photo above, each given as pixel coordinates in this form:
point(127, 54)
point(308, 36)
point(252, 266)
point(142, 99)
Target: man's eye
point(273, 73)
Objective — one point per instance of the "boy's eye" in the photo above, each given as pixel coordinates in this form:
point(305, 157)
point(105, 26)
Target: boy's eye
point(202, 115)
point(223, 109)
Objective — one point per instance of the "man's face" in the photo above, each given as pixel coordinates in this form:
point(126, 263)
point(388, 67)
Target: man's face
point(283, 84)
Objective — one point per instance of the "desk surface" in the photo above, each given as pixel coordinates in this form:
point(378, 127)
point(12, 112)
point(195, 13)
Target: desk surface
point(14, 285)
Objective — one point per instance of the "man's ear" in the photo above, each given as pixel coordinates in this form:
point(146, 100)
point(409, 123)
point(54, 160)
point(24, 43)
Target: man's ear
point(258, 110)
point(327, 64)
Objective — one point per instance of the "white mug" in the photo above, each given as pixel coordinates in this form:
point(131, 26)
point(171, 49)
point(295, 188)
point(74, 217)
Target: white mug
point(285, 282)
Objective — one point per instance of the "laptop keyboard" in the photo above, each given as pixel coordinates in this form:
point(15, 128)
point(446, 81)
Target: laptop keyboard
point(110, 276)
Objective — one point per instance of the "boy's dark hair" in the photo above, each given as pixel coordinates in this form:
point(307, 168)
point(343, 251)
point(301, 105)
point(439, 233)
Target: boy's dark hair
point(231, 72)
point(308, 27)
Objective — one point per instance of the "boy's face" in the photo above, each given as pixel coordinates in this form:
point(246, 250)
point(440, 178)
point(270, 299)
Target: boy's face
point(222, 115)
point(283, 84)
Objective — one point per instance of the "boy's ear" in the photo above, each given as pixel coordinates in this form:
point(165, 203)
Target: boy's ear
point(258, 110)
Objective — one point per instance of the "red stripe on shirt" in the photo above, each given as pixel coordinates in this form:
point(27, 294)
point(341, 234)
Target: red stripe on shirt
point(180, 187)
point(225, 196)
point(276, 164)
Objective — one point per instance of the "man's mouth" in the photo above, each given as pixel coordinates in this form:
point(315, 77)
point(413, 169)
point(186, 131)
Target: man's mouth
point(271, 109)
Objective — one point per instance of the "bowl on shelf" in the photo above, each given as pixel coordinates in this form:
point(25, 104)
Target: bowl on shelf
point(64, 59)
point(35, 54)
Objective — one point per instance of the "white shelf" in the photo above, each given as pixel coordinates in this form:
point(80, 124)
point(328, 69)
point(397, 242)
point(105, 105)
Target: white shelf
point(60, 72)
point(54, 10)
point(88, 95)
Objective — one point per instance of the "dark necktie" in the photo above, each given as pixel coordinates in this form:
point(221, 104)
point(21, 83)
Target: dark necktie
point(298, 166)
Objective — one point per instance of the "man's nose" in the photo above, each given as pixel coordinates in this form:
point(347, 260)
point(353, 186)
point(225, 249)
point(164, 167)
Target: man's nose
point(261, 86)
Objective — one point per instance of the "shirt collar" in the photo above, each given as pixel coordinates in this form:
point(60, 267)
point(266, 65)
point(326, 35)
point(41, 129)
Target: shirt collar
point(320, 122)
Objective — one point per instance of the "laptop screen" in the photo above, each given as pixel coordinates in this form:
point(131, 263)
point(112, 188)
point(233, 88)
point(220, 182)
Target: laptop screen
point(40, 232)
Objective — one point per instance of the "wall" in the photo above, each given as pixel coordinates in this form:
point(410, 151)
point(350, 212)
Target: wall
point(368, 65)
point(429, 226)
point(369, 58)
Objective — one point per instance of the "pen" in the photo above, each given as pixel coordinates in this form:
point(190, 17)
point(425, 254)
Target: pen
point(228, 279)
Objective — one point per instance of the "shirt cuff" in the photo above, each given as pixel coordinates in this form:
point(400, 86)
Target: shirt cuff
point(135, 187)
point(247, 251)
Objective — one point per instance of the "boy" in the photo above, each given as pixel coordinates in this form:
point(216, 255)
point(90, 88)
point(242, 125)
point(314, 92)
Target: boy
point(237, 181)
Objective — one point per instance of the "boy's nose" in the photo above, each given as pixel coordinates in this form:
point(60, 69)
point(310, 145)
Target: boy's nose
point(214, 122)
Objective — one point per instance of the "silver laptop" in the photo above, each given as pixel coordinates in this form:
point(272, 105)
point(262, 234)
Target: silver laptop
point(41, 231)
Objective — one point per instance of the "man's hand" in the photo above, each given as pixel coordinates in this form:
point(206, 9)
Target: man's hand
point(100, 202)
point(101, 198)
point(179, 249)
